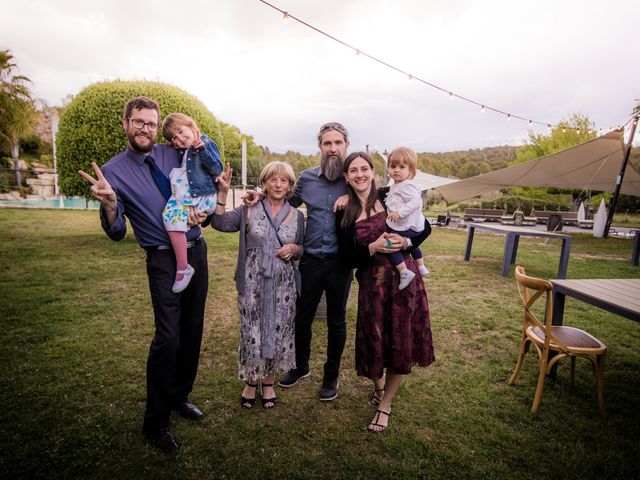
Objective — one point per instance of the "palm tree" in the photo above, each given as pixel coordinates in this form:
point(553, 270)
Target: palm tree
point(16, 107)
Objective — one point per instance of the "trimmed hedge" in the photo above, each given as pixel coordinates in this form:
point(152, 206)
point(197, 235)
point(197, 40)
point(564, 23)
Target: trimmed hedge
point(90, 127)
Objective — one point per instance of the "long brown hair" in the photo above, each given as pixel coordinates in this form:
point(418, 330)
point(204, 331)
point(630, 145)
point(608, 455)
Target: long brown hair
point(354, 208)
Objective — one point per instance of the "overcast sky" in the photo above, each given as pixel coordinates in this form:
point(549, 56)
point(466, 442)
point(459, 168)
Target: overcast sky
point(277, 81)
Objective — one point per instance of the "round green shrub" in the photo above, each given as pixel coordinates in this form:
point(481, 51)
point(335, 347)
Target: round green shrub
point(90, 128)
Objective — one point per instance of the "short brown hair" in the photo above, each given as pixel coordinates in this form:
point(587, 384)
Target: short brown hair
point(139, 103)
point(404, 155)
point(174, 120)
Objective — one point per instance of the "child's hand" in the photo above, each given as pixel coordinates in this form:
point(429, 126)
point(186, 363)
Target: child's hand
point(393, 216)
point(197, 141)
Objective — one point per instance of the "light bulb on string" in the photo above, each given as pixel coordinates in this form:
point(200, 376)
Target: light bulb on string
point(286, 17)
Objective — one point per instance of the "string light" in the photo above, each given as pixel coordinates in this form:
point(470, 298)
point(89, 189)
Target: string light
point(483, 107)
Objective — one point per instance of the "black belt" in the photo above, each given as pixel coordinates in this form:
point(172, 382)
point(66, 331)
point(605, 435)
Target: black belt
point(190, 244)
point(328, 256)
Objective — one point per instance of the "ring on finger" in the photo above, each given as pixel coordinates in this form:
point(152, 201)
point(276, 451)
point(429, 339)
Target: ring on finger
point(388, 243)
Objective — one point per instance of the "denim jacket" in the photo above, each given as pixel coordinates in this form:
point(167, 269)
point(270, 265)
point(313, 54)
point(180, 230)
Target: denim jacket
point(203, 166)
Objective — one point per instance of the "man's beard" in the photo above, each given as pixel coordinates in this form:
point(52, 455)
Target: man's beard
point(131, 136)
point(332, 166)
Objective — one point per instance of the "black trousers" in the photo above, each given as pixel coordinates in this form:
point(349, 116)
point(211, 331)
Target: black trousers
point(329, 275)
point(175, 349)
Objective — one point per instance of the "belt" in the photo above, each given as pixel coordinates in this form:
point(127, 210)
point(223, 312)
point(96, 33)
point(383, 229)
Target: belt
point(328, 256)
point(190, 244)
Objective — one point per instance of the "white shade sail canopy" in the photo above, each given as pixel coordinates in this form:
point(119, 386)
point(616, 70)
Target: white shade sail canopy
point(426, 181)
point(593, 165)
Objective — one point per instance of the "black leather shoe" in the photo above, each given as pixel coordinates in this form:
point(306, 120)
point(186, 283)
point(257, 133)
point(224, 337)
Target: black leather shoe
point(190, 411)
point(292, 377)
point(329, 390)
point(163, 440)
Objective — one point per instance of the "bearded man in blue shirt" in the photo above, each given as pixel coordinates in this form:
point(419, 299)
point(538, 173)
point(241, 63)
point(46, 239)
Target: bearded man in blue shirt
point(320, 267)
point(134, 184)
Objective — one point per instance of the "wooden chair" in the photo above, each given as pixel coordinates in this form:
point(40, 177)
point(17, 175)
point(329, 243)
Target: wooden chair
point(565, 342)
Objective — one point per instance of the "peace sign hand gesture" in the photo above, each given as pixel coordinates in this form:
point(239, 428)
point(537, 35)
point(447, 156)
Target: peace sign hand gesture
point(100, 188)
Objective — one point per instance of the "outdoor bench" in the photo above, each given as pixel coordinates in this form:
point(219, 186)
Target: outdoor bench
point(483, 214)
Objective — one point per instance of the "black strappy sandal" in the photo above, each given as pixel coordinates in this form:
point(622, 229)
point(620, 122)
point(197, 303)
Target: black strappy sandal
point(265, 401)
point(248, 402)
point(376, 419)
point(375, 399)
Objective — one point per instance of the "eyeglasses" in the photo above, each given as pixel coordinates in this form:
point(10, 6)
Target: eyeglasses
point(139, 124)
point(338, 127)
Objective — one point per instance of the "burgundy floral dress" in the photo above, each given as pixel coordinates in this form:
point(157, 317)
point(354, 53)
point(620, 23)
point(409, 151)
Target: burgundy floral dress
point(393, 329)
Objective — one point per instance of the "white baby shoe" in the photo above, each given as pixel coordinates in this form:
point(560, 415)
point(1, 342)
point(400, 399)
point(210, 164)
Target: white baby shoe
point(406, 276)
point(180, 285)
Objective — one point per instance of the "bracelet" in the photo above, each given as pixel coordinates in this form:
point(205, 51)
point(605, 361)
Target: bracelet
point(221, 204)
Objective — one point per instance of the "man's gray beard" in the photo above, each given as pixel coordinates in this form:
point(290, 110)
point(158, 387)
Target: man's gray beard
point(332, 167)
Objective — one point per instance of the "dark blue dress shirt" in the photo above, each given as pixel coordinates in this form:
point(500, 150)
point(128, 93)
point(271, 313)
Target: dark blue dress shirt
point(139, 198)
point(319, 194)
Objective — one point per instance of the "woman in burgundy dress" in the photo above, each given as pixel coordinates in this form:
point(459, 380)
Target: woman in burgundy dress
point(393, 330)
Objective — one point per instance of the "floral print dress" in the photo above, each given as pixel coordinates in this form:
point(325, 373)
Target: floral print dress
point(174, 215)
point(251, 362)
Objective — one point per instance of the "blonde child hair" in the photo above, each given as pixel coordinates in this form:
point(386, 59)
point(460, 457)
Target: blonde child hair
point(174, 120)
point(407, 156)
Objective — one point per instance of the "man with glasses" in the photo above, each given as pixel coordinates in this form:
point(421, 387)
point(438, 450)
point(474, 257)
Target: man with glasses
point(320, 267)
point(134, 184)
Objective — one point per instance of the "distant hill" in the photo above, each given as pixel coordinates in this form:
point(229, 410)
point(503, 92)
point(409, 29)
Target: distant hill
point(467, 163)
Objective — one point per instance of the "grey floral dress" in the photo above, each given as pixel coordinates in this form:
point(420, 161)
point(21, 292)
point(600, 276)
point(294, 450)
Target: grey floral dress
point(267, 290)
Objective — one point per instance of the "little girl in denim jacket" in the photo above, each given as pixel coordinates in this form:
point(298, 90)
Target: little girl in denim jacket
point(193, 184)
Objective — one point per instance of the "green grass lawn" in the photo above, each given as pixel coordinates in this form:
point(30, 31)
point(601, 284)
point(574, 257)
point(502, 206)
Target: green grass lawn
point(76, 322)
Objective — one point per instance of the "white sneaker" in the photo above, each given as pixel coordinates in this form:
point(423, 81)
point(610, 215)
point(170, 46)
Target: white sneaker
point(406, 276)
point(180, 285)
point(423, 270)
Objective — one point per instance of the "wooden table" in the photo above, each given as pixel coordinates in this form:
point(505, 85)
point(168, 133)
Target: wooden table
point(620, 296)
point(512, 239)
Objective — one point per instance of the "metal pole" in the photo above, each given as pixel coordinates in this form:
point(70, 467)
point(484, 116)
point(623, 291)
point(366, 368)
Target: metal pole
point(54, 131)
point(614, 200)
point(244, 162)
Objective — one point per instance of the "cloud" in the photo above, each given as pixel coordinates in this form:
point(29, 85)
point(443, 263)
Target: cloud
point(278, 82)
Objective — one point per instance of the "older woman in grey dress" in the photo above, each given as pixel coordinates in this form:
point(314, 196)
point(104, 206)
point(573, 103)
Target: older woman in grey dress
point(267, 279)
